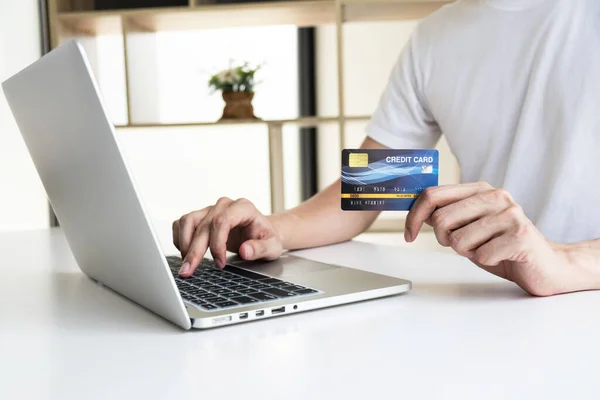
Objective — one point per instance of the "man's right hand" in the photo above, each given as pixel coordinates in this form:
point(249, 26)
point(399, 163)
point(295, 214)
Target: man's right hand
point(235, 226)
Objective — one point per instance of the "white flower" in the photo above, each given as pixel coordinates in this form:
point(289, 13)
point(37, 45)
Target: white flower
point(228, 76)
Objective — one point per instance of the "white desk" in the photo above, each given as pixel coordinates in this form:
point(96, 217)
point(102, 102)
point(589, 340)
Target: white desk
point(460, 333)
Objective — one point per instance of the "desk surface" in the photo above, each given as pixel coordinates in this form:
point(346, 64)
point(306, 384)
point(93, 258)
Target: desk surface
point(460, 333)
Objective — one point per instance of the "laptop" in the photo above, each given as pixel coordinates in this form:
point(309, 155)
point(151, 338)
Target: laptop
point(61, 116)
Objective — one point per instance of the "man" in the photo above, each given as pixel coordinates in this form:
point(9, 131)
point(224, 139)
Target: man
point(515, 87)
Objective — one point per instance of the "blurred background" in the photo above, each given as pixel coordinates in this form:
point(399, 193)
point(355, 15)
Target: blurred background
point(324, 65)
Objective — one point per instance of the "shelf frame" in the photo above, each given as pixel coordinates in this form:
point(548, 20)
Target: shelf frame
point(198, 15)
point(301, 13)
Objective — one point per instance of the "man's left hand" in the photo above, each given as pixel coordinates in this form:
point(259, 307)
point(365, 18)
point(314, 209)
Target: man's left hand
point(488, 227)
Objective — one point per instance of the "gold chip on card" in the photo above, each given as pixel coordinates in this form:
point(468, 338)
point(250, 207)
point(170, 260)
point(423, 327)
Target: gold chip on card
point(358, 160)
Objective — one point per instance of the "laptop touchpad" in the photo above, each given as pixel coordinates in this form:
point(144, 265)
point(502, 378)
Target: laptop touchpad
point(286, 265)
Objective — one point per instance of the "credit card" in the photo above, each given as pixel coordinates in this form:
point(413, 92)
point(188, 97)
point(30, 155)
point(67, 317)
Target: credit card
point(386, 180)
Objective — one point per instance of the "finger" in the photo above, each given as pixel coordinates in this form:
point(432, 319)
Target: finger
point(267, 249)
point(196, 251)
point(176, 233)
point(447, 219)
point(187, 226)
point(199, 243)
point(509, 246)
point(467, 239)
point(435, 197)
point(239, 213)
point(496, 250)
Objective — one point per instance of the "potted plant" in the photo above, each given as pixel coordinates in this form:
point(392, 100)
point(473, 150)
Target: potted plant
point(237, 88)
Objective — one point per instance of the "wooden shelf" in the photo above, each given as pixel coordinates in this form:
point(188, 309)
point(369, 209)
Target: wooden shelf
point(91, 24)
point(299, 122)
point(299, 13)
point(388, 10)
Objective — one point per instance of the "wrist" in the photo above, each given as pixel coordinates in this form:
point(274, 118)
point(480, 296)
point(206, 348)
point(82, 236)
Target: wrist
point(282, 224)
point(580, 266)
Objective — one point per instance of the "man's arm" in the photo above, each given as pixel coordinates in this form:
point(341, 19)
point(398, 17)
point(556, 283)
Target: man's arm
point(239, 227)
point(320, 220)
point(583, 261)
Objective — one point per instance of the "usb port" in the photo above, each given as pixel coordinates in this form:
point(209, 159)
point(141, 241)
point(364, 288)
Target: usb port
point(260, 313)
point(278, 310)
point(243, 315)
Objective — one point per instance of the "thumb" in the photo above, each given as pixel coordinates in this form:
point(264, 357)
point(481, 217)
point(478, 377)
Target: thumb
point(268, 249)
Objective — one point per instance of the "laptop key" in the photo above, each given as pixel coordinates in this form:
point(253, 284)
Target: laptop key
point(223, 291)
point(263, 296)
point(290, 288)
point(270, 280)
point(280, 293)
point(281, 283)
point(255, 283)
point(306, 291)
point(208, 306)
point(228, 284)
point(261, 286)
point(246, 291)
point(214, 299)
point(226, 304)
point(244, 300)
point(205, 295)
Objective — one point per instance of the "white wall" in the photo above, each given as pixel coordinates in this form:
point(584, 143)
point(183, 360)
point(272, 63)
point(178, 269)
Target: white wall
point(22, 198)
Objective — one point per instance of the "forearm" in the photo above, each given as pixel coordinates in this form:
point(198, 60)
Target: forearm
point(320, 221)
point(582, 270)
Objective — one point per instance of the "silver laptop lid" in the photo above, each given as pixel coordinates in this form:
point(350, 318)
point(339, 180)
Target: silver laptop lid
point(58, 109)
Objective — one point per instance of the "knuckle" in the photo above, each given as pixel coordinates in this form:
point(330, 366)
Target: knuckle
point(438, 218)
point(482, 256)
point(223, 200)
point(456, 241)
point(514, 213)
point(484, 185)
point(220, 220)
point(175, 225)
point(522, 230)
point(184, 218)
point(502, 195)
point(442, 237)
point(428, 195)
point(243, 201)
point(428, 191)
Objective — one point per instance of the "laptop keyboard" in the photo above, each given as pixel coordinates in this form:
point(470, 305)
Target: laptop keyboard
point(211, 288)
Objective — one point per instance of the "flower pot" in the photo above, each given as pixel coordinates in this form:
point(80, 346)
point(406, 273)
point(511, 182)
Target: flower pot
point(238, 105)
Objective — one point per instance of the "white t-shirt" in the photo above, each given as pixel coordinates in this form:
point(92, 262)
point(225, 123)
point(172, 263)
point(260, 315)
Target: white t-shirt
point(514, 85)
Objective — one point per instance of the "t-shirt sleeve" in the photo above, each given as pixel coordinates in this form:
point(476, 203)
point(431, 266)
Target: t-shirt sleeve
point(402, 119)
